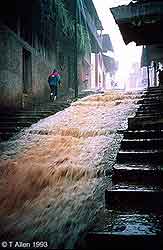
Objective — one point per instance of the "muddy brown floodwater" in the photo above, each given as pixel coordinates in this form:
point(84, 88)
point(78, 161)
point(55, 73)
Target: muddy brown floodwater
point(52, 177)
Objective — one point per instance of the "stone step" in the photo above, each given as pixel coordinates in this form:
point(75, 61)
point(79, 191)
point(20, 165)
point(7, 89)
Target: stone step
point(147, 122)
point(151, 107)
point(25, 116)
point(160, 91)
point(13, 124)
point(6, 135)
point(153, 93)
point(140, 113)
point(143, 134)
point(148, 92)
point(152, 143)
point(150, 100)
point(139, 173)
point(42, 111)
point(148, 117)
point(12, 121)
point(146, 156)
point(21, 117)
point(95, 240)
point(10, 129)
point(148, 125)
point(152, 96)
point(128, 231)
point(52, 107)
point(149, 111)
point(48, 110)
point(126, 197)
point(154, 90)
point(18, 123)
point(58, 105)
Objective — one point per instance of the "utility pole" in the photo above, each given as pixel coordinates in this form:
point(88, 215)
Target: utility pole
point(76, 50)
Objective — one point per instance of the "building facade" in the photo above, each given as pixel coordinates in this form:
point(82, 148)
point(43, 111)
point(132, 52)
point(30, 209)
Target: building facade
point(38, 36)
point(103, 66)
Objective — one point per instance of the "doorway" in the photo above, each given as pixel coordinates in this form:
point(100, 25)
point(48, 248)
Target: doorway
point(27, 71)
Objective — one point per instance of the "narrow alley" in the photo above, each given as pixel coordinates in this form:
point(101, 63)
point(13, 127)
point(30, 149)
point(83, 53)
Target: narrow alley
point(81, 124)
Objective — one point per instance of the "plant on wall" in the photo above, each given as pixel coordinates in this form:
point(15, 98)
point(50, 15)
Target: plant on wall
point(56, 11)
point(83, 39)
point(65, 19)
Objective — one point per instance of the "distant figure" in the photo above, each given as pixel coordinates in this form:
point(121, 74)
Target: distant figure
point(113, 84)
point(54, 80)
point(160, 76)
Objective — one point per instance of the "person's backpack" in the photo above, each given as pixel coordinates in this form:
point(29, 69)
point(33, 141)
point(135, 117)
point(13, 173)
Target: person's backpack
point(54, 79)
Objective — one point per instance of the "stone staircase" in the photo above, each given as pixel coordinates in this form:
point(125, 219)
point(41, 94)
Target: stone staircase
point(11, 122)
point(133, 216)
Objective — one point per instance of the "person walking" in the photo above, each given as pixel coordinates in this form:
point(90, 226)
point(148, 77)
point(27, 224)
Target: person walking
point(160, 77)
point(54, 80)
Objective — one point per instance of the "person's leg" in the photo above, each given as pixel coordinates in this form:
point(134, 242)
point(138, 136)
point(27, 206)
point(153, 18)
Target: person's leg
point(51, 92)
point(51, 88)
point(56, 91)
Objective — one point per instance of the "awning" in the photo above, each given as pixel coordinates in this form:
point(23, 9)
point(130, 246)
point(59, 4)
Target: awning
point(140, 22)
point(137, 10)
point(106, 43)
point(110, 64)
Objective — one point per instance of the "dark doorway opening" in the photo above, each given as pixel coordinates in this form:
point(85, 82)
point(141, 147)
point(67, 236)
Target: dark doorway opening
point(27, 71)
point(70, 72)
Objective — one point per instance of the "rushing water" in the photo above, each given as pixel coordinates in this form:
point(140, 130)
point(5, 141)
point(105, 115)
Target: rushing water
point(52, 182)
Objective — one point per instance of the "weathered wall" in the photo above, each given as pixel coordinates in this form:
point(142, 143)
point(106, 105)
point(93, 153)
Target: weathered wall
point(10, 70)
point(84, 72)
point(66, 67)
point(41, 68)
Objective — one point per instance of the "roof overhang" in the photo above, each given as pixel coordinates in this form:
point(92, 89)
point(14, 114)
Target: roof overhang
point(140, 22)
point(106, 43)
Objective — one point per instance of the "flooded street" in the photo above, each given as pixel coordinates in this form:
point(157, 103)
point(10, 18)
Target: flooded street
point(52, 174)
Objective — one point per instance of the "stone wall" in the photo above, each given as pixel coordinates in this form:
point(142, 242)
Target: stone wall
point(10, 70)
